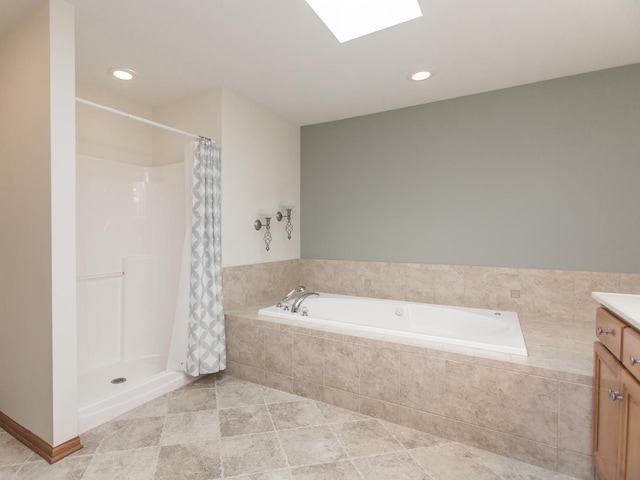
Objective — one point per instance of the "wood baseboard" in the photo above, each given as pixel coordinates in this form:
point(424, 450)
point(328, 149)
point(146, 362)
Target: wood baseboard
point(38, 445)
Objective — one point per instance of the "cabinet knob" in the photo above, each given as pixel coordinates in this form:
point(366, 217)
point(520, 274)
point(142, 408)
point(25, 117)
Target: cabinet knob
point(613, 395)
point(633, 360)
point(602, 331)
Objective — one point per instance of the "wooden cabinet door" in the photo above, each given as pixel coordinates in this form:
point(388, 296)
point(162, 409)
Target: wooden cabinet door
point(629, 456)
point(606, 412)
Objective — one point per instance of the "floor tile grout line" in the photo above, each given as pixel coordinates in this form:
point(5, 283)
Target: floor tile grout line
point(217, 386)
point(479, 459)
point(406, 449)
point(346, 452)
point(84, 474)
point(275, 430)
point(156, 460)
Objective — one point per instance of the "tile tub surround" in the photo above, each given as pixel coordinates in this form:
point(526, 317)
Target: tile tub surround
point(257, 283)
point(535, 409)
point(543, 293)
point(557, 317)
point(550, 293)
point(221, 427)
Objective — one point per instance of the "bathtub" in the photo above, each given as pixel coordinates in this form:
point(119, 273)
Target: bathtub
point(493, 330)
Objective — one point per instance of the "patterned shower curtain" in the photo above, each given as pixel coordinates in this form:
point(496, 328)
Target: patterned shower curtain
point(206, 344)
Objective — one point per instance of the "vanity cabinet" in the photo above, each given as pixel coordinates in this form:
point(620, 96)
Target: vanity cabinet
point(606, 412)
point(629, 458)
point(616, 399)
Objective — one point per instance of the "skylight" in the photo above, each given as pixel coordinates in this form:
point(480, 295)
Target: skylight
point(349, 19)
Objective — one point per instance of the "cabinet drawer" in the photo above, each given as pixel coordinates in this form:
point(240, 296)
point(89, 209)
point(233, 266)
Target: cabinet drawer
point(631, 351)
point(609, 331)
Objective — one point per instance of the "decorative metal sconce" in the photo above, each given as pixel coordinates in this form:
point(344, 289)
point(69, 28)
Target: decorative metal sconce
point(288, 227)
point(267, 224)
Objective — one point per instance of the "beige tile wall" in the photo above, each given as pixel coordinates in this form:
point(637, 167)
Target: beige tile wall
point(259, 283)
point(556, 293)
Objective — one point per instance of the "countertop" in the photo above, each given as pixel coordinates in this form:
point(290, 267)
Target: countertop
point(626, 306)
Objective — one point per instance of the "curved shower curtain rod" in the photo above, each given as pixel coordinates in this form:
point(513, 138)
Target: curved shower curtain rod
point(139, 119)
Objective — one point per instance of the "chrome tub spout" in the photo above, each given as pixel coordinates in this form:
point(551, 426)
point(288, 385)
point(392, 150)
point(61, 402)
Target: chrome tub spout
point(295, 308)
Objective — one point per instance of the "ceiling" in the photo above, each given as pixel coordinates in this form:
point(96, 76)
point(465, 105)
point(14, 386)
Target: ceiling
point(280, 55)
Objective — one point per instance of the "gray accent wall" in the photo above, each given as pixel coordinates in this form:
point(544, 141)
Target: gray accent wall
point(545, 175)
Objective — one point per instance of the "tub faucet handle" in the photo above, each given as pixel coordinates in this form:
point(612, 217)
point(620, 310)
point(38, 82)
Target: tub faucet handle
point(282, 303)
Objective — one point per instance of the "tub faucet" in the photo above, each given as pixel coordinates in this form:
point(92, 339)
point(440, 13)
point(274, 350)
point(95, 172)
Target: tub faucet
point(282, 303)
point(298, 303)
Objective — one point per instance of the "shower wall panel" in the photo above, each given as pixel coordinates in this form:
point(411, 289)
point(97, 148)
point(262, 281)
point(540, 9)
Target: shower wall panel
point(130, 231)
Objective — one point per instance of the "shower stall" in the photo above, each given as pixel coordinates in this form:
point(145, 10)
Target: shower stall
point(130, 234)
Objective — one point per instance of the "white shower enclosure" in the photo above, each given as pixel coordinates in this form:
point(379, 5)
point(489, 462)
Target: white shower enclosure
point(130, 232)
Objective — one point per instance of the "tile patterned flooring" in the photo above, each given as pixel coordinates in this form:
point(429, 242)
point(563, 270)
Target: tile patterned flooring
point(221, 427)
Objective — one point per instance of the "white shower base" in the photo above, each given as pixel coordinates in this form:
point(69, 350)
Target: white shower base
point(99, 400)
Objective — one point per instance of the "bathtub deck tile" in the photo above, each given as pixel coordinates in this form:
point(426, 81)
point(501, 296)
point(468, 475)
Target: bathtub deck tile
point(529, 451)
point(333, 414)
point(308, 358)
point(278, 381)
point(272, 395)
point(341, 366)
point(340, 398)
point(278, 352)
point(309, 390)
point(471, 393)
point(528, 407)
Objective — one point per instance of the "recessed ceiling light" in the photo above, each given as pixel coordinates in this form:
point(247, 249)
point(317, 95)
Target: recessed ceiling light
point(122, 73)
point(419, 76)
point(349, 19)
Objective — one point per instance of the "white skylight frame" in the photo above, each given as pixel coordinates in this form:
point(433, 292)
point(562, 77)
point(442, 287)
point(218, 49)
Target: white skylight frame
point(349, 19)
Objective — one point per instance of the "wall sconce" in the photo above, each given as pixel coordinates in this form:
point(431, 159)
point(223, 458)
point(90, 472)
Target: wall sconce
point(288, 227)
point(267, 224)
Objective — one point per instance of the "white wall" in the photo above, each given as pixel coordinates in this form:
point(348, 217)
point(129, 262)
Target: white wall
point(106, 135)
point(63, 222)
point(260, 169)
point(37, 248)
point(199, 115)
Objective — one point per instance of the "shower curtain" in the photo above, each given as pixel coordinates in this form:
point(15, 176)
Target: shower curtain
point(199, 310)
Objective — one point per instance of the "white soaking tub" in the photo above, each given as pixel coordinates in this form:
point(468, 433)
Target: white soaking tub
point(494, 330)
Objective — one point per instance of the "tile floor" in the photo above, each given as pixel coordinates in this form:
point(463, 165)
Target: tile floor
point(221, 427)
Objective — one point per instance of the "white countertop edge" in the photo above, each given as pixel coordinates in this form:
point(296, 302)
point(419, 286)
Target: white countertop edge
point(625, 305)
